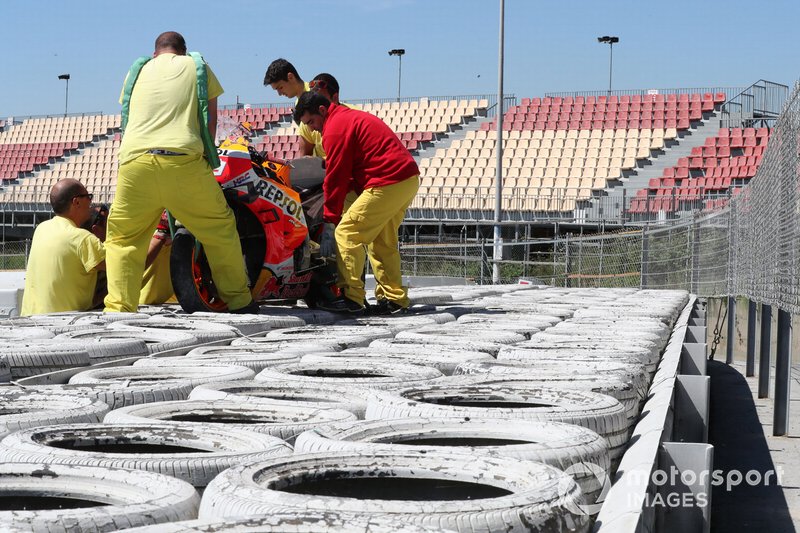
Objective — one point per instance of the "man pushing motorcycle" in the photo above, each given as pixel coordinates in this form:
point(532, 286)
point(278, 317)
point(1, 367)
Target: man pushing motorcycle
point(363, 155)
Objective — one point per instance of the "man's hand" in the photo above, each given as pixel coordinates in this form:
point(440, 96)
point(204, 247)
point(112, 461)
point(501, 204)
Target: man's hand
point(327, 242)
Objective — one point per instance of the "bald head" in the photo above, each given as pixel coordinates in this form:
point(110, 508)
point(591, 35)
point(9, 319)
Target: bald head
point(63, 192)
point(171, 41)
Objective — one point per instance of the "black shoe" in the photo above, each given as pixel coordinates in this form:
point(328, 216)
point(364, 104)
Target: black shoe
point(342, 305)
point(250, 309)
point(388, 307)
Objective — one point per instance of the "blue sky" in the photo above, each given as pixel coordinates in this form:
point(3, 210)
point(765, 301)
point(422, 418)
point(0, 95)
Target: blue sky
point(451, 45)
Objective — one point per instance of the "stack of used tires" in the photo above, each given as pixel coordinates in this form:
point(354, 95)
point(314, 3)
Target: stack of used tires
point(499, 408)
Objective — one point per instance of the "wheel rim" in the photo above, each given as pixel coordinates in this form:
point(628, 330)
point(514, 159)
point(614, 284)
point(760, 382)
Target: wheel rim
point(201, 284)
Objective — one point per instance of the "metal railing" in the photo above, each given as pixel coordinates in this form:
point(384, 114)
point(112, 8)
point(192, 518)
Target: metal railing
point(562, 204)
point(729, 92)
point(757, 105)
point(508, 101)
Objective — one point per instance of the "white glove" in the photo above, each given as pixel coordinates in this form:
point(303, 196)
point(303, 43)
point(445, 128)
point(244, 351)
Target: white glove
point(327, 242)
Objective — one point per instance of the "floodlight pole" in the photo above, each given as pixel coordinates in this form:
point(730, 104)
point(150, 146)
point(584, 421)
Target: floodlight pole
point(497, 252)
point(610, 40)
point(399, 52)
point(66, 92)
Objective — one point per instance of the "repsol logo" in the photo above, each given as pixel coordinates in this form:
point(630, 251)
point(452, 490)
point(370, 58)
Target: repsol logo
point(272, 193)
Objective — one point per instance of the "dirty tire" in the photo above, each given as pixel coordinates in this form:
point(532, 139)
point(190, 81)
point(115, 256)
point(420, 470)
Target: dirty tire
point(517, 495)
point(366, 374)
point(445, 362)
point(349, 336)
point(24, 409)
point(600, 413)
point(245, 324)
point(556, 444)
point(133, 498)
point(22, 334)
point(156, 340)
point(104, 348)
point(255, 359)
point(202, 331)
point(5, 369)
point(296, 346)
point(195, 375)
point(291, 521)
point(42, 356)
point(118, 394)
point(194, 454)
point(433, 343)
point(281, 421)
point(275, 392)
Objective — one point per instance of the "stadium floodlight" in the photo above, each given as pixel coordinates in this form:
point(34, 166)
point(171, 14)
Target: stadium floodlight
point(610, 40)
point(399, 52)
point(65, 77)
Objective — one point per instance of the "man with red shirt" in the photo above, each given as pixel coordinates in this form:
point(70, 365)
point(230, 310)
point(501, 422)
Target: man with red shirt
point(363, 155)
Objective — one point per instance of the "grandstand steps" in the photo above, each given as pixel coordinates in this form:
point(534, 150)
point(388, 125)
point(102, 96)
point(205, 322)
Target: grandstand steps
point(666, 158)
point(472, 123)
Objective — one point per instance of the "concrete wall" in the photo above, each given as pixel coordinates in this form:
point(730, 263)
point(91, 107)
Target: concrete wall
point(716, 318)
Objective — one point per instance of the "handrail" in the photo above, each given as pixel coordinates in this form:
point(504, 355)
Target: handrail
point(644, 92)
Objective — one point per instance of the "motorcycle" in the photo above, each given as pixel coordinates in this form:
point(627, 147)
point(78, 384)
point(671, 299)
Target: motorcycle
point(275, 219)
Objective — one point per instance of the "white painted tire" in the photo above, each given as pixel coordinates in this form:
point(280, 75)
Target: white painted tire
point(396, 324)
point(368, 375)
point(349, 336)
point(444, 360)
point(432, 344)
point(10, 333)
point(509, 495)
point(254, 357)
point(120, 498)
point(274, 392)
point(292, 521)
point(143, 375)
point(600, 413)
point(246, 324)
point(317, 345)
point(5, 369)
point(203, 331)
point(281, 421)
point(563, 446)
point(120, 393)
point(41, 356)
point(21, 409)
point(156, 340)
point(192, 453)
point(103, 348)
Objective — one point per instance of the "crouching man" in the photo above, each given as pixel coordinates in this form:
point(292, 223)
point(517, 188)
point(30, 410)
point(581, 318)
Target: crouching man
point(363, 155)
point(64, 259)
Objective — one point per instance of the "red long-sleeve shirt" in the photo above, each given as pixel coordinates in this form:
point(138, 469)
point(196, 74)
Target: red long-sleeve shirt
point(362, 153)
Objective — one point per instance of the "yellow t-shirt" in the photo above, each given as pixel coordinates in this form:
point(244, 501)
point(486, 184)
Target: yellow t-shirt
point(61, 275)
point(163, 108)
point(157, 282)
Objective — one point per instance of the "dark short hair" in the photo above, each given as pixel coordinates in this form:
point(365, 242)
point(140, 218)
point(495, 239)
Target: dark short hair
point(279, 70)
point(171, 40)
point(61, 195)
point(330, 82)
point(309, 102)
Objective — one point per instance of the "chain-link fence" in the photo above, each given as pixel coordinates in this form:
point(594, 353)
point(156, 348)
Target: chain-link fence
point(748, 247)
point(14, 255)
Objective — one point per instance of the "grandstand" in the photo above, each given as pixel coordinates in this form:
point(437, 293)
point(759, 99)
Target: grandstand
point(579, 158)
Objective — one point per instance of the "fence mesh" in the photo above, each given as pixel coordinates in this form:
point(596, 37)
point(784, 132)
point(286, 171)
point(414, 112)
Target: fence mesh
point(748, 247)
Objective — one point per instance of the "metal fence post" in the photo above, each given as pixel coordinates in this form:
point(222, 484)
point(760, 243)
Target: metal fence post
point(783, 362)
point(750, 366)
point(644, 260)
point(731, 329)
point(764, 349)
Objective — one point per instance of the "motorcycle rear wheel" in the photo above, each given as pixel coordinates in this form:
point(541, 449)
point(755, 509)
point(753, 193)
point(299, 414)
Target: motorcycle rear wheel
point(191, 276)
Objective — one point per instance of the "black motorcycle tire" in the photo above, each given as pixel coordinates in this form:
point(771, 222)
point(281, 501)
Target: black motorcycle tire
point(194, 292)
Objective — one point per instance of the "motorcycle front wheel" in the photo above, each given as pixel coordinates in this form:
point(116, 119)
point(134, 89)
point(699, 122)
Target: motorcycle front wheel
point(191, 275)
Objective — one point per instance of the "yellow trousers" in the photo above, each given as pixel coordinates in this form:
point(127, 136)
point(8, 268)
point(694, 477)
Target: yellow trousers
point(186, 186)
point(373, 220)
